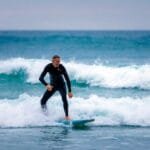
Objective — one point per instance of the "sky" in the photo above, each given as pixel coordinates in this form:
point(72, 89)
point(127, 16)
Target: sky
point(74, 14)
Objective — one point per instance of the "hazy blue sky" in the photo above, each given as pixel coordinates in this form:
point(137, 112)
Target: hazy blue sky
point(75, 14)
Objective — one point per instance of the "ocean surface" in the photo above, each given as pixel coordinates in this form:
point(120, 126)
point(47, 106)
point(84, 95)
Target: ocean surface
point(110, 76)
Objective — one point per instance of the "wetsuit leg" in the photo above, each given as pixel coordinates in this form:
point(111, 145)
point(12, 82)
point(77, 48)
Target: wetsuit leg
point(45, 98)
point(63, 93)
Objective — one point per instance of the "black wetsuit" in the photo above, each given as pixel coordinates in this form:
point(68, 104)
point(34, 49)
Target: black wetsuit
point(57, 76)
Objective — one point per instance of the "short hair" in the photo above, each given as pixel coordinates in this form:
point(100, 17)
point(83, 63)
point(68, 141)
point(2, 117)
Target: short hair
point(55, 56)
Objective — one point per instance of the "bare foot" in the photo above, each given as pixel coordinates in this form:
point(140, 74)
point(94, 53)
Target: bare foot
point(67, 118)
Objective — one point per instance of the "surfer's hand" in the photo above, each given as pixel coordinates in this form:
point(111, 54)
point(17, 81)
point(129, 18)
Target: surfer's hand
point(70, 95)
point(49, 87)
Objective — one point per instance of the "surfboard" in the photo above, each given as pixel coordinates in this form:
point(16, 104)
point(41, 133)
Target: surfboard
point(77, 123)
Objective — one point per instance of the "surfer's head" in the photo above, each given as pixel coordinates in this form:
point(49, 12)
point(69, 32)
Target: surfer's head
point(56, 60)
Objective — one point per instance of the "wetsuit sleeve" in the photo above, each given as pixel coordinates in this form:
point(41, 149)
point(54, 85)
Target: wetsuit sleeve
point(67, 79)
point(41, 78)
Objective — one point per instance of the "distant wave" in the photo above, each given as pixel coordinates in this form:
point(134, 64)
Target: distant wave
point(91, 74)
point(25, 111)
point(78, 37)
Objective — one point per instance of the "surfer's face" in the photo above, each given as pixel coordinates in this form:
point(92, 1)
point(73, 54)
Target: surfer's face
point(56, 62)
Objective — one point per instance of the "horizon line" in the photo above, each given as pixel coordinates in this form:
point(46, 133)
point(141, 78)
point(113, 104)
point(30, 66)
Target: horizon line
point(74, 29)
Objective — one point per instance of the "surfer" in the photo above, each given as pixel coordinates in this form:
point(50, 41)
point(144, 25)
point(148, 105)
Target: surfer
point(57, 74)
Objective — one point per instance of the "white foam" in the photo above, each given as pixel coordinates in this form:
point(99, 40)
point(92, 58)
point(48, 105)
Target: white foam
point(112, 77)
point(95, 75)
point(33, 67)
point(25, 111)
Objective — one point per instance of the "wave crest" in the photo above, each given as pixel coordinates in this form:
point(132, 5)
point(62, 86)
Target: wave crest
point(25, 111)
point(94, 75)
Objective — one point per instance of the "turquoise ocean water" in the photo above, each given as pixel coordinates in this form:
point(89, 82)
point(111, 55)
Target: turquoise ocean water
point(110, 76)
